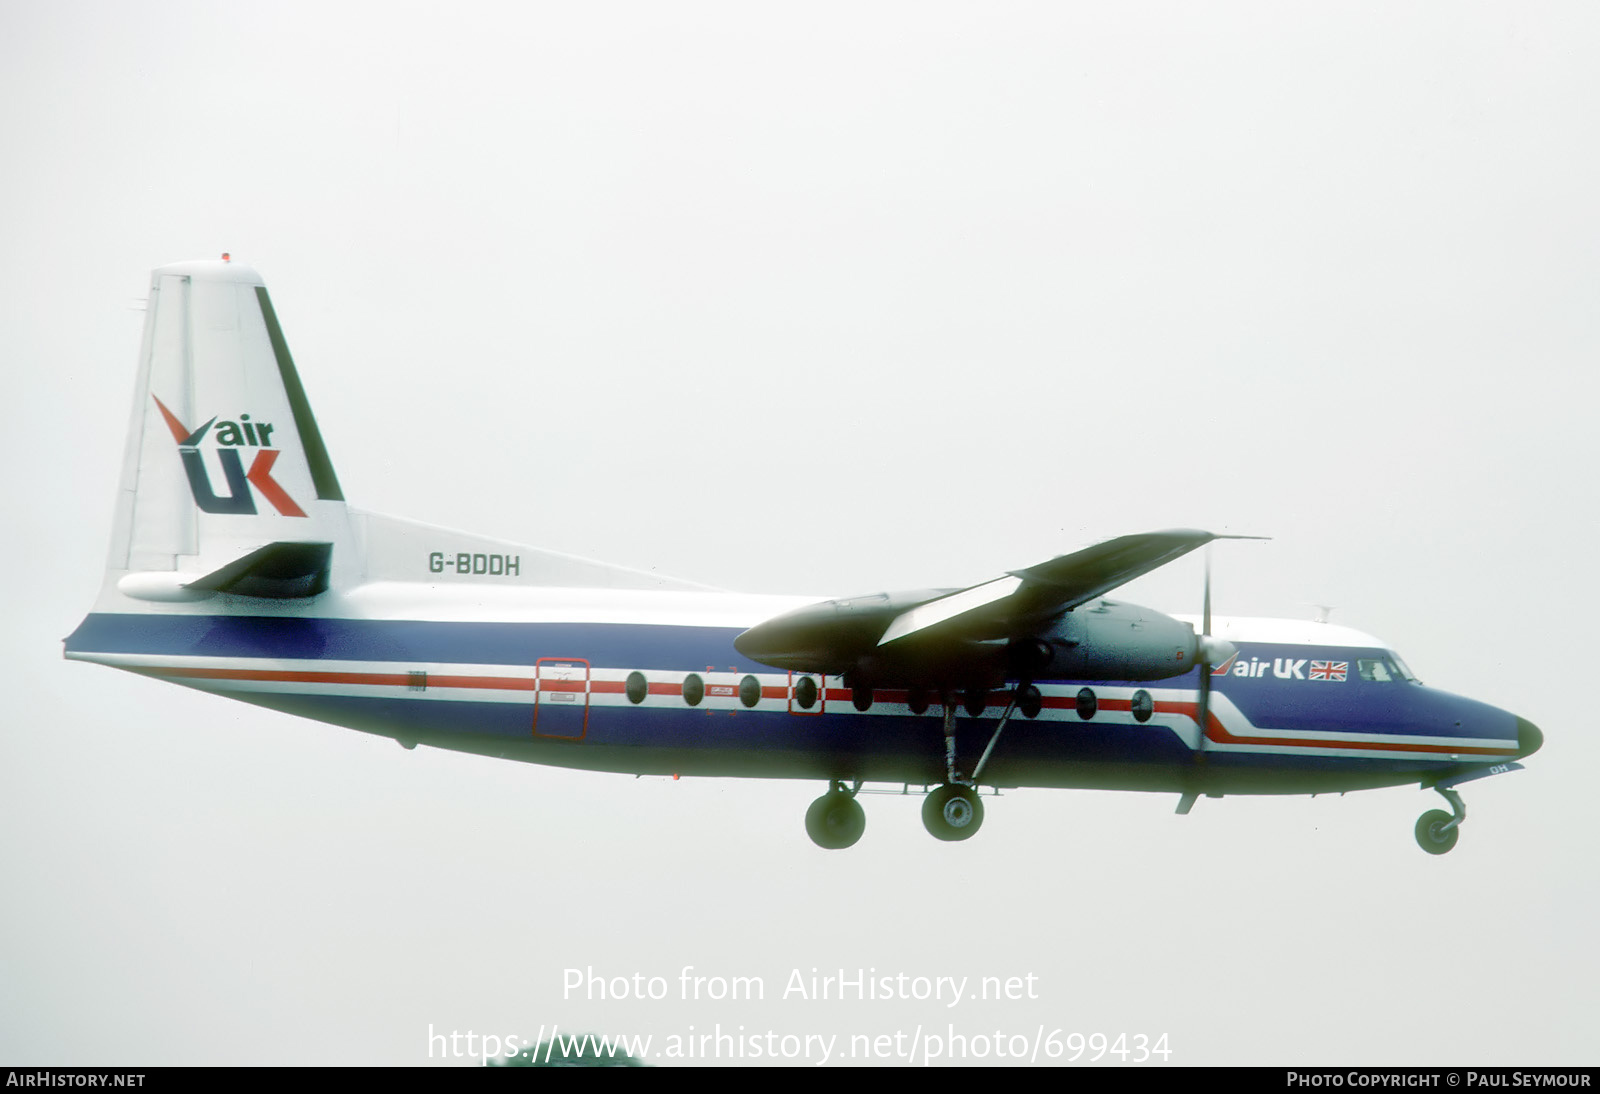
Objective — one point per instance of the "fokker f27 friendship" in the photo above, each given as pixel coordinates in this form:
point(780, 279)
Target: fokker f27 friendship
point(236, 567)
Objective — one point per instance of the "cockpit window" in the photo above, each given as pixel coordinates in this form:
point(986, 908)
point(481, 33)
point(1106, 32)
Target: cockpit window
point(1383, 670)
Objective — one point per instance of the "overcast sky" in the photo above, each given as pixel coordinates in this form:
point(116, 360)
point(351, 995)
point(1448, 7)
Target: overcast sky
point(820, 298)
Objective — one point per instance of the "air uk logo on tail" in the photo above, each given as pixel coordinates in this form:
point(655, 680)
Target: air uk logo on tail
point(230, 436)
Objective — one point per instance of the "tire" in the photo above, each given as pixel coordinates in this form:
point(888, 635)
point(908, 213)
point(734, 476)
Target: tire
point(835, 821)
point(1429, 836)
point(952, 813)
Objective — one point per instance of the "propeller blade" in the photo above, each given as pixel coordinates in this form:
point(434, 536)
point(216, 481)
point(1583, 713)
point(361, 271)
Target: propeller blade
point(1205, 652)
point(1210, 652)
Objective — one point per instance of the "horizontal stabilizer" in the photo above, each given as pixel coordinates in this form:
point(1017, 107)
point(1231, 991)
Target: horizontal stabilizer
point(278, 571)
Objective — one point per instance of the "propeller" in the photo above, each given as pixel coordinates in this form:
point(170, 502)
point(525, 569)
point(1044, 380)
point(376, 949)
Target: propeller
point(1210, 652)
point(1207, 652)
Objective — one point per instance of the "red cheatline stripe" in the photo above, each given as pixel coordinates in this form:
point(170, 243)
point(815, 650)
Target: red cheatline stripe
point(490, 683)
point(401, 679)
point(390, 679)
point(1215, 731)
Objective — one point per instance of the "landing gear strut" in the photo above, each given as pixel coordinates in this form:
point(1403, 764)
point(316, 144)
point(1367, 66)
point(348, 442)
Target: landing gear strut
point(954, 811)
point(951, 812)
point(1438, 831)
point(836, 820)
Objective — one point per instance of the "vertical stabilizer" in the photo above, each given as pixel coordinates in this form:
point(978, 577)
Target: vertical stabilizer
point(224, 457)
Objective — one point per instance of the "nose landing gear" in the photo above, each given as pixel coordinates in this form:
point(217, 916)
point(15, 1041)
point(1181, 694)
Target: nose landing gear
point(1438, 831)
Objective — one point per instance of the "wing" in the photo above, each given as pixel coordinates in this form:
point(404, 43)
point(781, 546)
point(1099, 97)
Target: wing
point(1014, 604)
point(929, 635)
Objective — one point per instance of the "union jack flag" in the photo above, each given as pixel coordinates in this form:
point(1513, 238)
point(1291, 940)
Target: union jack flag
point(1329, 670)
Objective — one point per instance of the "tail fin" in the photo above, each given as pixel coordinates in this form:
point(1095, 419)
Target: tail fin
point(226, 483)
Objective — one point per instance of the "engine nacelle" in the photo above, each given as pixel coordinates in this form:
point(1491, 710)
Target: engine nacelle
point(1110, 640)
point(1102, 640)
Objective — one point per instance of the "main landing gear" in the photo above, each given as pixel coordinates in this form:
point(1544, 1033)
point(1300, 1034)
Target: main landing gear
point(1437, 831)
point(836, 820)
point(952, 811)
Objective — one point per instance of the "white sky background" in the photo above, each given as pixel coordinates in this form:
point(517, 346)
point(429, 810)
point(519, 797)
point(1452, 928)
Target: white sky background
point(820, 298)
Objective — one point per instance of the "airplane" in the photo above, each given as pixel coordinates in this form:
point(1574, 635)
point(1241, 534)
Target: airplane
point(236, 567)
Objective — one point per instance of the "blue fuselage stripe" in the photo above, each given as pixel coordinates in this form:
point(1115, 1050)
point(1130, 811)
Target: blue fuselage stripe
point(404, 640)
point(902, 744)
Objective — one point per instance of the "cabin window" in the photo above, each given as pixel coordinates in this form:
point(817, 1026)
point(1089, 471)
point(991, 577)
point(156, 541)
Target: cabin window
point(1143, 706)
point(636, 688)
point(694, 689)
point(805, 693)
point(749, 691)
point(1087, 704)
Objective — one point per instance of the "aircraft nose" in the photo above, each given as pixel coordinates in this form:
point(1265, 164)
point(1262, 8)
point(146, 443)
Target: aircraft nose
point(1529, 739)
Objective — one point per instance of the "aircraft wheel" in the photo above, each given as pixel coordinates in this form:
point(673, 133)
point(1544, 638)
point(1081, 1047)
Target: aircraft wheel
point(952, 812)
point(835, 821)
point(1431, 836)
